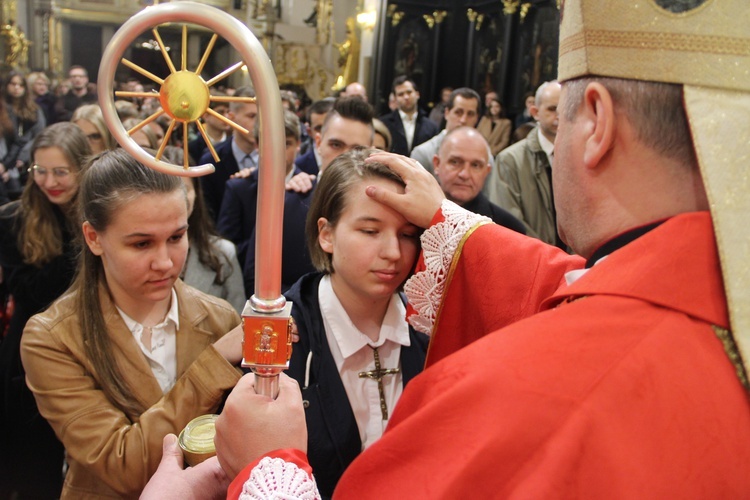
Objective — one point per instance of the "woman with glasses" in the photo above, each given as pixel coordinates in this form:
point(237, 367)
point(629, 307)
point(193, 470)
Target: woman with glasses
point(90, 119)
point(38, 259)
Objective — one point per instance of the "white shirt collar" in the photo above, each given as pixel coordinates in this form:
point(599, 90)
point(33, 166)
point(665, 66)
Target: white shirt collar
point(239, 155)
point(546, 144)
point(172, 315)
point(348, 337)
point(407, 118)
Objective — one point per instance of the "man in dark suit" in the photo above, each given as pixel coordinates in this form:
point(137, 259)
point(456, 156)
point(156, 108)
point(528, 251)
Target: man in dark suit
point(238, 215)
point(461, 166)
point(236, 153)
point(309, 159)
point(408, 125)
point(217, 130)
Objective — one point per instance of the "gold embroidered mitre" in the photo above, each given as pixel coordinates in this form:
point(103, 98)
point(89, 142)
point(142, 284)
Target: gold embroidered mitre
point(705, 46)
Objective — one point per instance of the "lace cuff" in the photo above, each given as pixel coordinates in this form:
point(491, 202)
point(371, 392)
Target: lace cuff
point(274, 478)
point(439, 244)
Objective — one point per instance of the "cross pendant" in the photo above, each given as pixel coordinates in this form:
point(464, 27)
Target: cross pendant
point(377, 374)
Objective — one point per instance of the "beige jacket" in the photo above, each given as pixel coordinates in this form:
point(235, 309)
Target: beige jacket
point(111, 453)
point(520, 184)
point(499, 137)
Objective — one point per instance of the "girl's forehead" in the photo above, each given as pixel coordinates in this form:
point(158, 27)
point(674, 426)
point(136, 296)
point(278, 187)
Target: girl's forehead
point(137, 207)
point(356, 199)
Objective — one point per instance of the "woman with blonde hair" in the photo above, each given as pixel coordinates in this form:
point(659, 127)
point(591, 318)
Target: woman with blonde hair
point(90, 119)
point(39, 86)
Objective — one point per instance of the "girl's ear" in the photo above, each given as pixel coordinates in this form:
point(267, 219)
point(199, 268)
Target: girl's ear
point(325, 235)
point(92, 239)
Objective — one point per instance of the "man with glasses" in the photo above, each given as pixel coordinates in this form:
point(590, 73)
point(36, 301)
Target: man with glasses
point(78, 96)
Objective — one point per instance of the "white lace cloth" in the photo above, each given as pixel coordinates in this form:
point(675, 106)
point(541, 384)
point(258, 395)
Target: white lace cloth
point(439, 243)
point(275, 479)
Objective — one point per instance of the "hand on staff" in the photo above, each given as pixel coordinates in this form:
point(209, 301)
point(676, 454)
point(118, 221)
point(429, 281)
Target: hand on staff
point(230, 345)
point(205, 480)
point(300, 183)
point(252, 425)
point(423, 195)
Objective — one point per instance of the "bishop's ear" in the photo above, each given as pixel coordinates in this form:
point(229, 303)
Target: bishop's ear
point(598, 111)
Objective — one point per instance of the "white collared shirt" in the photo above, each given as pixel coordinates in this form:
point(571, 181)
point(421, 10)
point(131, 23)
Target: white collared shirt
point(220, 139)
point(351, 350)
point(547, 146)
point(410, 125)
point(318, 158)
point(162, 358)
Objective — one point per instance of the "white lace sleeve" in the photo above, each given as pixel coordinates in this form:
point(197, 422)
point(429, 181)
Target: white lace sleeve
point(275, 479)
point(439, 243)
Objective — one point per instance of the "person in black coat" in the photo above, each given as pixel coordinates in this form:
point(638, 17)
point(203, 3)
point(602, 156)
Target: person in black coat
point(39, 87)
point(237, 153)
point(236, 221)
point(350, 315)
point(407, 97)
point(37, 255)
point(295, 258)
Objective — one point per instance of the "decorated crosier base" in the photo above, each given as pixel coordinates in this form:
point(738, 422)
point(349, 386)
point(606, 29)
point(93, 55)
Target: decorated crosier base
point(267, 346)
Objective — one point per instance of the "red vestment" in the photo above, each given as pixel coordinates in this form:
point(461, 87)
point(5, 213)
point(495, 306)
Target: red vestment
point(618, 388)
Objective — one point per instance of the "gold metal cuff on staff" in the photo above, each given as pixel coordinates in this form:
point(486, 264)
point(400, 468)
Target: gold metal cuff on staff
point(184, 97)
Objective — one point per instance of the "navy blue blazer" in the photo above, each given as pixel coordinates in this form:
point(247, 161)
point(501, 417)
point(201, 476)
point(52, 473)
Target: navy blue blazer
point(424, 130)
point(236, 221)
point(196, 148)
point(295, 258)
point(213, 184)
point(307, 162)
point(332, 435)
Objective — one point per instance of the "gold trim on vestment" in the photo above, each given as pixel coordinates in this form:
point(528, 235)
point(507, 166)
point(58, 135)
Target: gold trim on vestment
point(448, 278)
point(649, 40)
point(730, 347)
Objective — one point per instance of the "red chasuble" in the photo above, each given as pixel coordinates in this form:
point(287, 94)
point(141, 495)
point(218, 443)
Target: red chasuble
point(619, 388)
point(614, 387)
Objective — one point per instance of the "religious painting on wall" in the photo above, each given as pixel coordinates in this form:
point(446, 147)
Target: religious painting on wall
point(539, 38)
point(488, 54)
point(413, 50)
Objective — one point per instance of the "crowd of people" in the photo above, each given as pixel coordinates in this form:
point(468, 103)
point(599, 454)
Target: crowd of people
point(483, 306)
point(55, 138)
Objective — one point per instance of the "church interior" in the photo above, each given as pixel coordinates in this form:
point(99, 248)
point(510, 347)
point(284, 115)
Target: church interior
point(316, 46)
